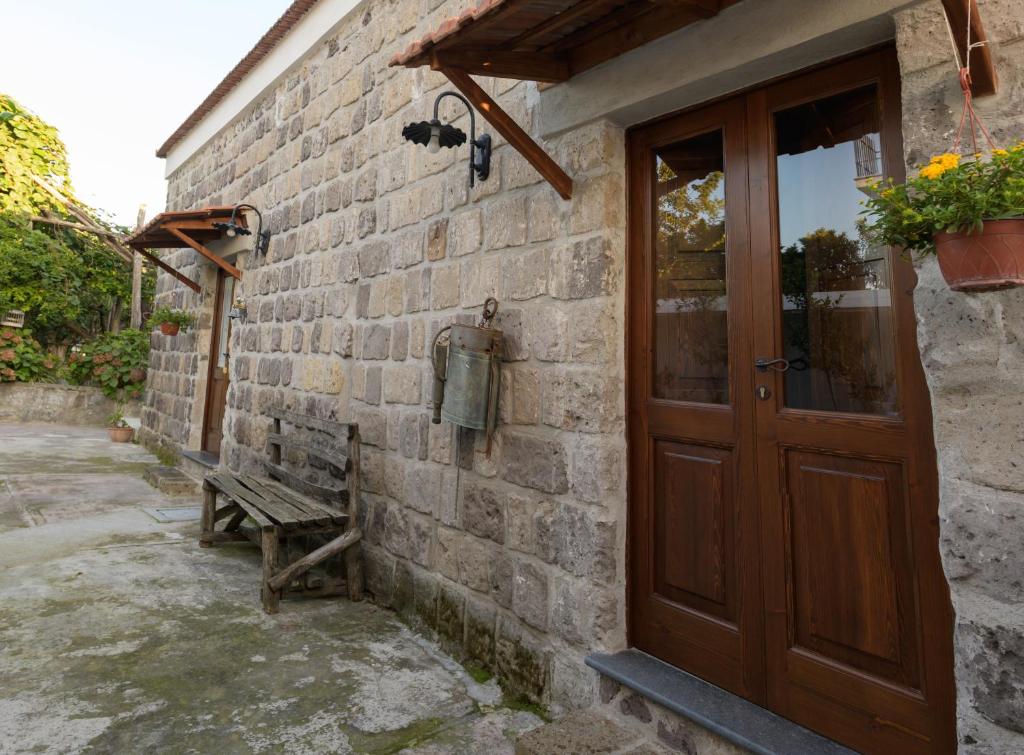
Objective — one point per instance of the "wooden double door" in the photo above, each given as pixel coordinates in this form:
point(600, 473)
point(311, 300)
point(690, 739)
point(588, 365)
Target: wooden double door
point(783, 502)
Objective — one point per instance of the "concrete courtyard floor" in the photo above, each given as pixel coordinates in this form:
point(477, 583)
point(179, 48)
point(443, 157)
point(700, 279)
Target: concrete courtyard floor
point(118, 634)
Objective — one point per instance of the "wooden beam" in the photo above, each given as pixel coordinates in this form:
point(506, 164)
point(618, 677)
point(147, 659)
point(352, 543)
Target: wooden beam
point(531, 66)
point(223, 264)
point(135, 316)
point(551, 25)
point(307, 562)
point(118, 248)
point(983, 73)
point(511, 130)
point(168, 269)
point(76, 226)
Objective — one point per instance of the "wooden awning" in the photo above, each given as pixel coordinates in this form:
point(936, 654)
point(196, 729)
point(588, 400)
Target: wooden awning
point(189, 228)
point(549, 40)
point(543, 40)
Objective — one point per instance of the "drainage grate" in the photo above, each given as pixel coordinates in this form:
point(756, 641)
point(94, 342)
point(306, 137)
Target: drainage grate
point(175, 513)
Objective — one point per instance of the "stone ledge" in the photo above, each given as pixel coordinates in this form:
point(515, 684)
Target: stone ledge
point(730, 717)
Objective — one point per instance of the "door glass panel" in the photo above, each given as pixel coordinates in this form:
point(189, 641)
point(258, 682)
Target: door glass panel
point(691, 346)
point(837, 320)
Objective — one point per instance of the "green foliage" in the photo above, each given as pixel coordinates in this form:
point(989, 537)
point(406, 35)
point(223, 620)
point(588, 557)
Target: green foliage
point(116, 362)
point(69, 283)
point(116, 418)
point(185, 320)
point(22, 358)
point(28, 146)
point(948, 195)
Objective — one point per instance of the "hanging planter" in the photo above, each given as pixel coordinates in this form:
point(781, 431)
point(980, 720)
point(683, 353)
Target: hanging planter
point(969, 213)
point(987, 260)
point(170, 321)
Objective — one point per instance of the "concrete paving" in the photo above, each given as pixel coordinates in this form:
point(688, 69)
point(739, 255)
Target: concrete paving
point(119, 634)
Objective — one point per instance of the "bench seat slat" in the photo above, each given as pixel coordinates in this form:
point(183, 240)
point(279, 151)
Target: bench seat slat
point(312, 511)
point(311, 504)
point(285, 511)
point(327, 452)
point(241, 497)
point(282, 514)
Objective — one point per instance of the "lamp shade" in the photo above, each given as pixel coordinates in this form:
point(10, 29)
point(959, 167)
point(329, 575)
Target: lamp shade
point(441, 134)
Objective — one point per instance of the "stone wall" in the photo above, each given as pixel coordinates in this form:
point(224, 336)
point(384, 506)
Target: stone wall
point(49, 402)
point(517, 556)
point(972, 355)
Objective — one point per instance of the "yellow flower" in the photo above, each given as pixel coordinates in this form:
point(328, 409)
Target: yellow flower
point(932, 171)
point(1000, 152)
point(940, 164)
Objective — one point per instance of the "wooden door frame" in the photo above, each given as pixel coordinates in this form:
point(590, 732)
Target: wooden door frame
point(215, 347)
point(937, 650)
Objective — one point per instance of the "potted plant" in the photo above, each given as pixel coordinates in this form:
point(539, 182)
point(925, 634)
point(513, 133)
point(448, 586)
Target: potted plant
point(118, 428)
point(171, 320)
point(969, 213)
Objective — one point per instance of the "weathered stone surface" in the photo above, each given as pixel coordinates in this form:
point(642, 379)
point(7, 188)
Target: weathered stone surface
point(579, 732)
point(530, 594)
point(534, 462)
point(483, 512)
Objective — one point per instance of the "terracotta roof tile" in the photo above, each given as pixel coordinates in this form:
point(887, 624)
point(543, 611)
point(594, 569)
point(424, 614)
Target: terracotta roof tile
point(413, 54)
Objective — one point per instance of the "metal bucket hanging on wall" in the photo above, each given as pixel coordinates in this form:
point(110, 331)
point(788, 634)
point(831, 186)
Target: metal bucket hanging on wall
point(467, 361)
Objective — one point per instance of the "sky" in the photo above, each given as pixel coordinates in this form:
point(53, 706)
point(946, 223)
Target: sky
point(117, 77)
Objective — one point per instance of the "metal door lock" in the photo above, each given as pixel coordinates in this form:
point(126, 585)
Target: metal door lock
point(764, 392)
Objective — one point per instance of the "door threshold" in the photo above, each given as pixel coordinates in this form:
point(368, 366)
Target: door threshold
point(208, 460)
point(739, 721)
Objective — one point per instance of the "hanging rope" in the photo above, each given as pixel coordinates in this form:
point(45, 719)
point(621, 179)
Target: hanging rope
point(968, 114)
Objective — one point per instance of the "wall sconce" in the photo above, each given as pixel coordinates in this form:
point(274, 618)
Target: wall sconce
point(434, 135)
point(232, 229)
point(238, 310)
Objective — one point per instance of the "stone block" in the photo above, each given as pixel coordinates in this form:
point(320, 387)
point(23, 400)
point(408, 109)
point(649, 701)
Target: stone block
point(451, 606)
point(421, 535)
point(483, 511)
point(423, 488)
point(524, 276)
point(522, 661)
point(376, 342)
point(402, 384)
point(534, 462)
point(374, 258)
point(465, 233)
point(474, 557)
point(481, 619)
point(530, 594)
point(582, 269)
point(481, 278)
point(437, 240)
point(444, 287)
point(505, 222)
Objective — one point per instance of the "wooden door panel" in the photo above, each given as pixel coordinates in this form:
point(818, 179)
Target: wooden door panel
point(852, 591)
point(694, 528)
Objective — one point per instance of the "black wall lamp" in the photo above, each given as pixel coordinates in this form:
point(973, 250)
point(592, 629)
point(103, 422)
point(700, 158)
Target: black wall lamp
point(435, 135)
point(232, 229)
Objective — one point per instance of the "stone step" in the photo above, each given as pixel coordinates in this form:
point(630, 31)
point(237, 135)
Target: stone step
point(198, 464)
point(586, 732)
point(170, 481)
point(687, 714)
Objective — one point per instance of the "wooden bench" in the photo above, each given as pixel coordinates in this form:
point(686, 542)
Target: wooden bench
point(288, 509)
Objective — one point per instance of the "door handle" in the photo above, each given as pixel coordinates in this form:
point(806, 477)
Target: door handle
point(779, 365)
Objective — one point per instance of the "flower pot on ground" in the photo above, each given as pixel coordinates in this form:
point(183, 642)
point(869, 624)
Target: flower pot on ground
point(171, 321)
point(118, 428)
point(970, 214)
point(121, 434)
point(989, 259)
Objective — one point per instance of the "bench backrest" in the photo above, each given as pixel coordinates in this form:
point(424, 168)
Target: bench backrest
point(321, 444)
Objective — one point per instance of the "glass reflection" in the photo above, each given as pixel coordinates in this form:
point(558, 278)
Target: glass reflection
point(836, 306)
point(690, 325)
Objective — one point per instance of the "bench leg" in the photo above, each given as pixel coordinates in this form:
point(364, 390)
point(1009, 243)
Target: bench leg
point(208, 516)
point(354, 571)
point(271, 597)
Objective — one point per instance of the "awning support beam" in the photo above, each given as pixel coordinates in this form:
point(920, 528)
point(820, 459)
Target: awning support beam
point(218, 261)
point(983, 72)
point(511, 130)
